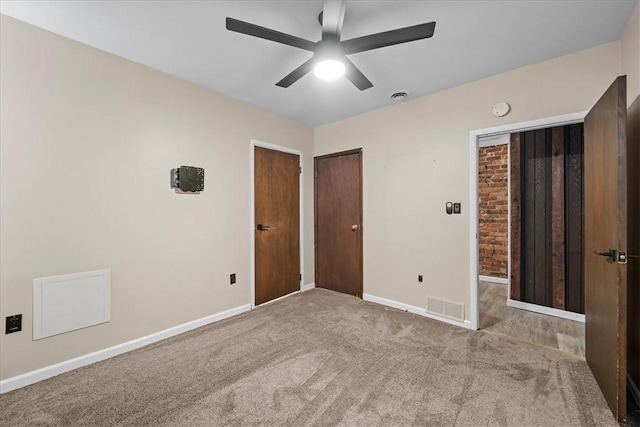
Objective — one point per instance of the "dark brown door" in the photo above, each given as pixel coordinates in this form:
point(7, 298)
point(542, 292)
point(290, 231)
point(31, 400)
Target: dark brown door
point(605, 169)
point(277, 224)
point(338, 225)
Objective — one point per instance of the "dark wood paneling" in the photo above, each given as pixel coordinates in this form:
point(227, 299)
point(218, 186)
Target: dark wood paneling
point(557, 217)
point(605, 208)
point(548, 230)
point(516, 220)
point(574, 219)
point(551, 217)
point(277, 206)
point(528, 217)
point(540, 219)
point(338, 222)
point(537, 218)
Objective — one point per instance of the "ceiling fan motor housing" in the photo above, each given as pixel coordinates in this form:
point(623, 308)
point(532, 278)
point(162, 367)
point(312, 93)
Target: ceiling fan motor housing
point(329, 48)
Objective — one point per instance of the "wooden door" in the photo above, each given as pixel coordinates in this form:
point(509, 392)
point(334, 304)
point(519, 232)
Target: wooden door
point(338, 222)
point(277, 224)
point(605, 150)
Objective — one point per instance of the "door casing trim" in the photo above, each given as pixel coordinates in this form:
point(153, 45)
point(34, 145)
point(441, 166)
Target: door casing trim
point(474, 137)
point(252, 242)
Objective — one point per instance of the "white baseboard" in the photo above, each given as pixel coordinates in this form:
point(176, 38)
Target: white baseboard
point(415, 310)
point(308, 286)
point(78, 362)
point(570, 315)
point(492, 279)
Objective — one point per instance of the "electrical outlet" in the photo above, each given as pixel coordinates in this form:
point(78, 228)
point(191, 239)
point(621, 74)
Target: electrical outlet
point(232, 278)
point(457, 208)
point(14, 324)
point(420, 278)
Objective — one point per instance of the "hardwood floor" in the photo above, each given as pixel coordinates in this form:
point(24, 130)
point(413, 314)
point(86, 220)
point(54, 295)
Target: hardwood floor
point(560, 334)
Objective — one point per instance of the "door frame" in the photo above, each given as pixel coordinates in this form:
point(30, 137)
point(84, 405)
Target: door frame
point(252, 224)
point(474, 137)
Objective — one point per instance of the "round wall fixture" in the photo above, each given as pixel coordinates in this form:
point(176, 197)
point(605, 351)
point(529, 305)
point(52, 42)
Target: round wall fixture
point(399, 96)
point(501, 109)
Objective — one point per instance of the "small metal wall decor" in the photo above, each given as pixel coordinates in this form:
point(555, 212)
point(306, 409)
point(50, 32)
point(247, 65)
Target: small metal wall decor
point(187, 179)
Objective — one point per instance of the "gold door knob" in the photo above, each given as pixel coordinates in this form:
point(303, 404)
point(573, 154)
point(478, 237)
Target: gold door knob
point(355, 227)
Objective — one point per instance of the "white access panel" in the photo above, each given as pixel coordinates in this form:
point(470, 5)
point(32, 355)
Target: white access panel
point(69, 302)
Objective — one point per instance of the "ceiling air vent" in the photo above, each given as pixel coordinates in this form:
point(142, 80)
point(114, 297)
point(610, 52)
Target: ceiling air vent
point(399, 96)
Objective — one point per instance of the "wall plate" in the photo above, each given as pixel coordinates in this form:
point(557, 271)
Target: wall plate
point(13, 324)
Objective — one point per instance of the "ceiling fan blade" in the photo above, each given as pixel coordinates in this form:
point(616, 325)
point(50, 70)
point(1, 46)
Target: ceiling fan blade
point(333, 18)
point(269, 34)
point(389, 38)
point(355, 76)
point(296, 74)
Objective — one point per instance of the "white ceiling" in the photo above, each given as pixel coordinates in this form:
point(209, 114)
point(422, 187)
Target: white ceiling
point(473, 39)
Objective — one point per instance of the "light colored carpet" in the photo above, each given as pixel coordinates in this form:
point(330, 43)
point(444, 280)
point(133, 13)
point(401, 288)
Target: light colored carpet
point(321, 358)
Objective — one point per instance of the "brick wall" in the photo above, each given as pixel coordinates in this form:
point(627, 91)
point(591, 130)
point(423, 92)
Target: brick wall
point(493, 192)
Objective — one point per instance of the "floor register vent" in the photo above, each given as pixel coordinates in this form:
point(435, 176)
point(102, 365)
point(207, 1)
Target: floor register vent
point(452, 310)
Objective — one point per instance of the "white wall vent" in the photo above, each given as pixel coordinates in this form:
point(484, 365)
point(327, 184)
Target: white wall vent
point(69, 302)
point(452, 310)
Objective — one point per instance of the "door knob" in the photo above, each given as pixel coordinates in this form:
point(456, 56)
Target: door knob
point(355, 227)
point(261, 227)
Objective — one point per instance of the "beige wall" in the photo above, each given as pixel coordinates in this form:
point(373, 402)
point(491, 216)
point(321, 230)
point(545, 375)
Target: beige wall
point(416, 158)
point(87, 142)
point(630, 46)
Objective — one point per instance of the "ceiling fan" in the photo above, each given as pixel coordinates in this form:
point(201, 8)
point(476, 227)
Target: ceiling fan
point(329, 58)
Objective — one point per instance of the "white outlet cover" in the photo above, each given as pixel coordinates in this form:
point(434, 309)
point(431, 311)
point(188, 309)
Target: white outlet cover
point(501, 109)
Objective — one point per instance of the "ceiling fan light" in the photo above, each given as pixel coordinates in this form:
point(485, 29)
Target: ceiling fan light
point(329, 69)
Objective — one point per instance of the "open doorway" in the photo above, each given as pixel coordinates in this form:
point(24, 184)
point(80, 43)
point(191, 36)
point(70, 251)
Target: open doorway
point(524, 303)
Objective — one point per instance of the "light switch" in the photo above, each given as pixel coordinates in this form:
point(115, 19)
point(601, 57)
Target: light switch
point(449, 207)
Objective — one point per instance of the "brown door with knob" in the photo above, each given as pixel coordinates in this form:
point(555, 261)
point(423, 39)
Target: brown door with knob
point(277, 224)
point(605, 202)
point(338, 222)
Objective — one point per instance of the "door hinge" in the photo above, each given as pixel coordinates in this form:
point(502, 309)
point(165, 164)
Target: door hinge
point(301, 277)
point(300, 169)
